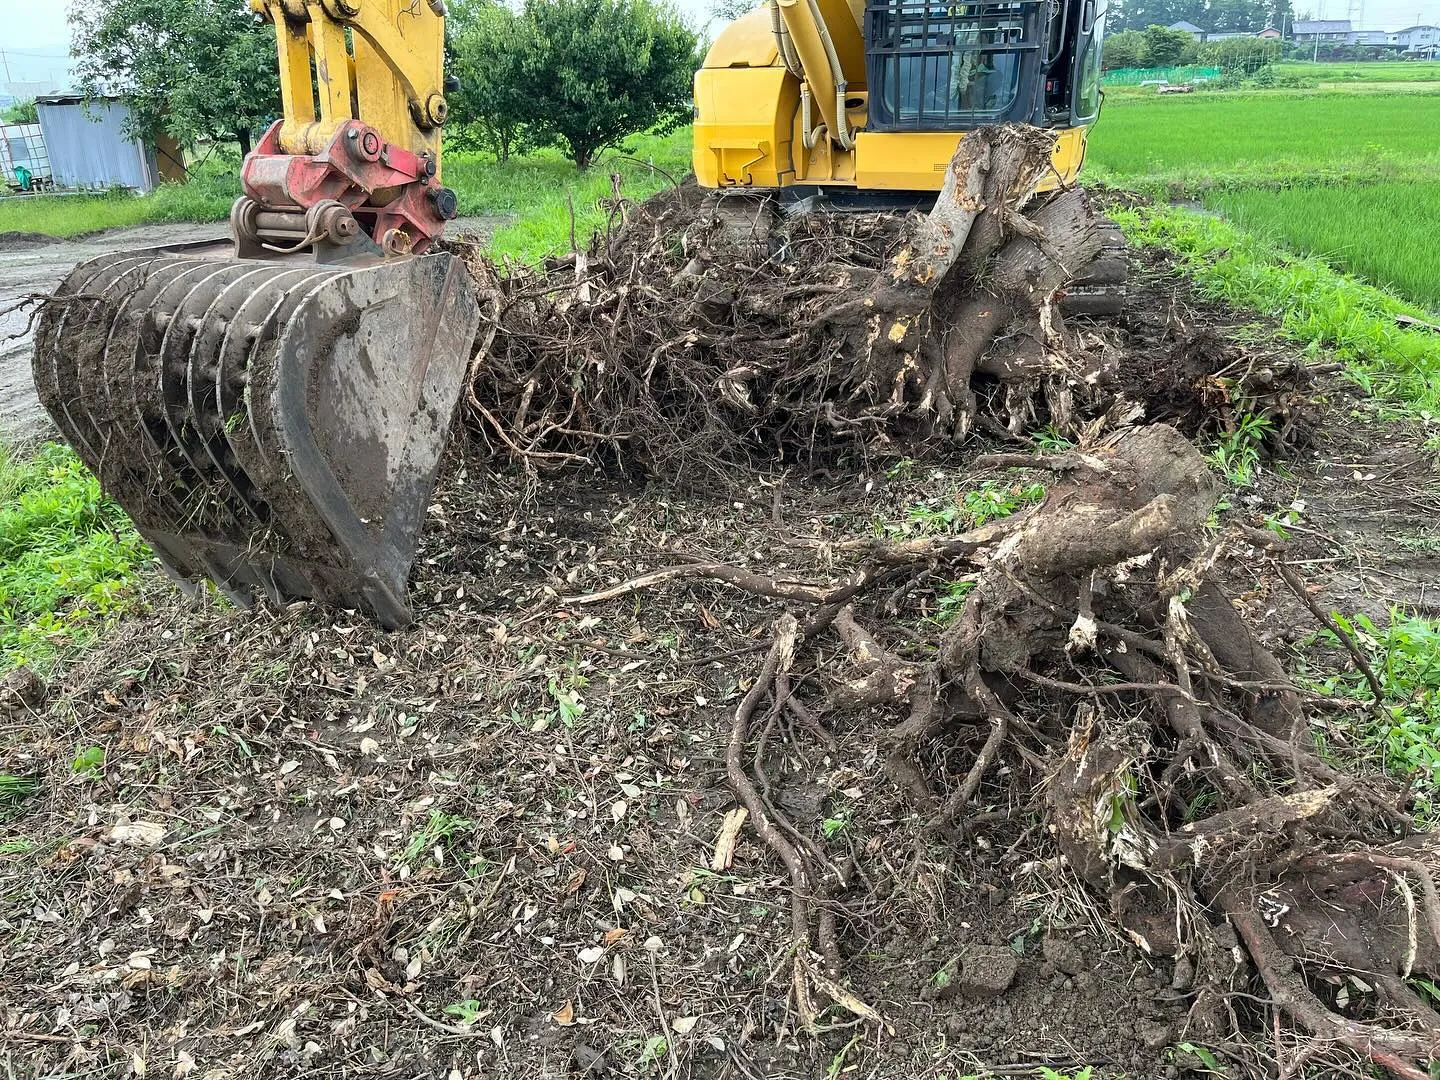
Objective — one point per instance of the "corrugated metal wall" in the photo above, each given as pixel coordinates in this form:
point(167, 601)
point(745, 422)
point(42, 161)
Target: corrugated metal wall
point(89, 148)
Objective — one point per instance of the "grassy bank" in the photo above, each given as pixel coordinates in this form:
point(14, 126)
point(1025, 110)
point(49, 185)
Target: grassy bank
point(1316, 305)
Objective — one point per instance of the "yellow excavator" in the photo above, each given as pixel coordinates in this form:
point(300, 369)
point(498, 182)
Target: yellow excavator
point(847, 100)
point(271, 411)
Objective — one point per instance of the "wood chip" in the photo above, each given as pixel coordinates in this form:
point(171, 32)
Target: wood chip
point(726, 839)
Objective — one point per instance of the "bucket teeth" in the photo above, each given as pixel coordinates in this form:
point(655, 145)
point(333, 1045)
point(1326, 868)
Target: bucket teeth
point(275, 427)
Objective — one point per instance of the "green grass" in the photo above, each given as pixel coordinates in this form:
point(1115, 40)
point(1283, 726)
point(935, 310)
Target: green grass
point(67, 556)
point(540, 190)
point(1371, 230)
point(1324, 309)
point(1155, 140)
point(206, 197)
point(1380, 71)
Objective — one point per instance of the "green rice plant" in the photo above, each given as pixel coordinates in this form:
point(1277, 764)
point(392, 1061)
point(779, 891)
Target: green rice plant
point(1359, 228)
point(1137, 137)
point(68, 556)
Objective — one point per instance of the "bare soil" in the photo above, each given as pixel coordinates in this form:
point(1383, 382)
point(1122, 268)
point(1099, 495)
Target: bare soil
point(483, 846)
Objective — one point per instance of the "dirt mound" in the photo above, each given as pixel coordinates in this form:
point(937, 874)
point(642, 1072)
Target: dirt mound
point(19, 241)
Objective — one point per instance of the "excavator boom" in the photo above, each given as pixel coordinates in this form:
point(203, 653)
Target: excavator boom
point(271, 411)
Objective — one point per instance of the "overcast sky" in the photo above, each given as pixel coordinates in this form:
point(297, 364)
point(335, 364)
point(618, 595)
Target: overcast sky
point(34, 36)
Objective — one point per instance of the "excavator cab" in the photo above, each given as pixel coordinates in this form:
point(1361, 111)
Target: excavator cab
point(271, 410)
point(874, 95)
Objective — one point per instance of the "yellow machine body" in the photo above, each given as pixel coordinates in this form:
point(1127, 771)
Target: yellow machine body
point(751, 130)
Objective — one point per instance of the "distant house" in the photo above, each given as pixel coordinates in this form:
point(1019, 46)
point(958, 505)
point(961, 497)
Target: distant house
point(1269, 34)
point(1189, 28)
point(1423, 40)
point(1229, 34)
point(89, 146)
point(1376, 39)
point(1332, 30)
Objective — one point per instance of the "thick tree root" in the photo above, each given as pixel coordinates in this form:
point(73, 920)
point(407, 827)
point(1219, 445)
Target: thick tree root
point(1096, 656)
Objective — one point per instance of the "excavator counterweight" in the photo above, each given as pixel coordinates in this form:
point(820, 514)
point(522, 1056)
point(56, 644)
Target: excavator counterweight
point(271, 411)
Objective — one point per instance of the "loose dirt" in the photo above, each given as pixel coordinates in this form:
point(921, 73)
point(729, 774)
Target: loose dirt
point(483, 846)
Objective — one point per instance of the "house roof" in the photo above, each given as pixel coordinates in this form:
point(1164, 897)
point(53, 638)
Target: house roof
point(1418, 26)
point(1188, 27)
point(1320, 26)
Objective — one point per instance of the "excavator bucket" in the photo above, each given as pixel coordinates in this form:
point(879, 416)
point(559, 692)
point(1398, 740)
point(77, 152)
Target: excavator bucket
point(274, 426)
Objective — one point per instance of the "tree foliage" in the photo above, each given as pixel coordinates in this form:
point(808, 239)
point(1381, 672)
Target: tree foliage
point(192, 68)
point(1125, 50)
point(577, 74)
point(1212, 16)
point(1240, 56)
point(482, 53)
point(1166, 48)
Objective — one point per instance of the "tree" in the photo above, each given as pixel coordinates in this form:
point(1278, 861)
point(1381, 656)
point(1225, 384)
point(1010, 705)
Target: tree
point(1166, 48)
point(22, 112)
point(591, 72)
point(192, 68)
point(1125, 50)
point(730, 10)
point(482, 50)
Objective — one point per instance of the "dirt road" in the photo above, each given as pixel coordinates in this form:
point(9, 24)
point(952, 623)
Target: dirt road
point(38, 265)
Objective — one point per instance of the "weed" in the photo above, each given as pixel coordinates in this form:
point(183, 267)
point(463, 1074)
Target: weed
point(1405, 656)
point(436, 835)
point(67, 556)
point(1237, 454)
point(951, 601)
point(14, 790)
point(990, 501)
point(89, 761)
point(467, 1012)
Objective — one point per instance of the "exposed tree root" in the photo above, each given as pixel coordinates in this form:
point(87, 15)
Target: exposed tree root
point(1096, 657)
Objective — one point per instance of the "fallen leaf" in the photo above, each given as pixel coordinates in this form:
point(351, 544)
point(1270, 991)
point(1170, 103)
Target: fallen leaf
point(617, 809)
point(683, 1025)
point(139, 961)
point(565, 1015)
point(137, 1063)
point(612, 936)
point(726, 839)
point(183, 1064)
point(591, 955)
point(289, 767)
point(576, 880)
point(368, 747)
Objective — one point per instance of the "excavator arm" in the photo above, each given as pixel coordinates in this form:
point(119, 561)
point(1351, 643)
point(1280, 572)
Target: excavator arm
point(354, 163)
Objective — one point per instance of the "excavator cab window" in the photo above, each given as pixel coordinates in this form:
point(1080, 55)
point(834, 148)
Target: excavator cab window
point(935, 66)
point(1086, 79)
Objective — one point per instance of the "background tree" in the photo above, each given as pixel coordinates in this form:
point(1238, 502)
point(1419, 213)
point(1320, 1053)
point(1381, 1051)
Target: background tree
point(591, 72)
point(1240, 56)
point(1125, 50)
point(483, 52)
point(192, 68)
point(1166, 48)
point(730, 10)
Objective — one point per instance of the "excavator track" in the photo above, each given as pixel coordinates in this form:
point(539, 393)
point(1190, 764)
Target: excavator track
point(275, 427)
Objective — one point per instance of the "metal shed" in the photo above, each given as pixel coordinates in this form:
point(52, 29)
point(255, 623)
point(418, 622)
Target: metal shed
point(90, 149)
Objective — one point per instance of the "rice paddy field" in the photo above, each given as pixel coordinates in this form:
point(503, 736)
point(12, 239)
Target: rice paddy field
point(1335, 169)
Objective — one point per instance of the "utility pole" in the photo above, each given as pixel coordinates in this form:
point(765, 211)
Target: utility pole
point(5, 62)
